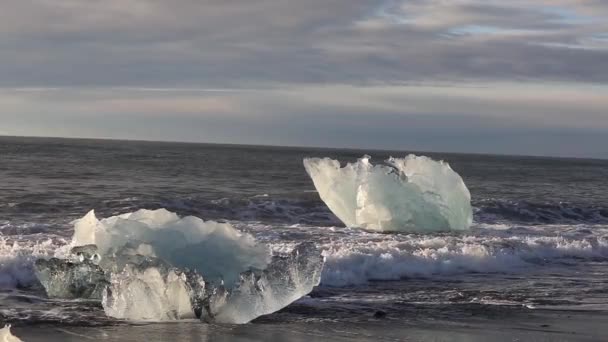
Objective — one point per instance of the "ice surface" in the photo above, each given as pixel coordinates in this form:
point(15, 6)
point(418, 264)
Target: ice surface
point(148, 291)
point(79, 277)
point(413, 194)
point(216, 250)
point(155, 266)
point(6, 336)
point(151, 290)
point(286, 279)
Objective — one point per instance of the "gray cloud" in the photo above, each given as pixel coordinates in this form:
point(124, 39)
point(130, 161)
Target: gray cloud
point(168, 43)
point(466, 75)
point(505, 118)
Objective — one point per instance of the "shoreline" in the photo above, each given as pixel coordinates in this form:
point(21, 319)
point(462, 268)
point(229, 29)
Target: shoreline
point(536, 325)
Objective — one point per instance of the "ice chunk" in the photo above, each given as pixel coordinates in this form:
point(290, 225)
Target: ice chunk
point(79, 277)
point(149, 291)
point(216, 250)
point(6, 336)
point(156, 266)
point(286, 279)
point(413, 194)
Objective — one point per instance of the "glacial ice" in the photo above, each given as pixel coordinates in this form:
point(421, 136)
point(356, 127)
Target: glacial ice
point(155, 292)
point(148, 292)
point(152, 265)
point(6, 336)
point(286, 279)
point(79, 277)
point(411, 194)
point(187, 242)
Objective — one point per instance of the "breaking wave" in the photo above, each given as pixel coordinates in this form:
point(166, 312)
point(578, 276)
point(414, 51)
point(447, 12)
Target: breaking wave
point(358, 262)
point(17, 259)
point(357, 257)
point(508, 237)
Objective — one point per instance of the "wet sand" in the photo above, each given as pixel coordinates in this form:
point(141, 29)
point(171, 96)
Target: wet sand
point(537, 325)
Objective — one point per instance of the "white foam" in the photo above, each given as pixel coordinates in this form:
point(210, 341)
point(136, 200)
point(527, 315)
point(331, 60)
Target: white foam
point(17, 259)
point(357, 262)
point(414, 194)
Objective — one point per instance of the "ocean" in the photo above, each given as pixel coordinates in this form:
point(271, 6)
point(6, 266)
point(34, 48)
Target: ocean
point(534, 261)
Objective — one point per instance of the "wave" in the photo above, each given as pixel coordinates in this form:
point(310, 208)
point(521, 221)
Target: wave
point(527, 212)
point(357, 257)
point(308, 209)
point(303, 208)
point(358, 262)
point(17, 258)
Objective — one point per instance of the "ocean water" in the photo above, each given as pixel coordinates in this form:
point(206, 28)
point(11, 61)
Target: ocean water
point(539, 241)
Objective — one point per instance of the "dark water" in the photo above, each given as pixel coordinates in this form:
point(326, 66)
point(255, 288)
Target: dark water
point(58, 180)
point(539, 239)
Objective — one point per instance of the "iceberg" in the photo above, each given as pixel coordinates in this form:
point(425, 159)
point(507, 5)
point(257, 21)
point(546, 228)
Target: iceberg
point(411, 194)
point(152, 265)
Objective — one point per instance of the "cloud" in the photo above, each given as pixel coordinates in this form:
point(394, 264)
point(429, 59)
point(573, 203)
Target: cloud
point(156, 43)
point(388, 73)
point(481, 118)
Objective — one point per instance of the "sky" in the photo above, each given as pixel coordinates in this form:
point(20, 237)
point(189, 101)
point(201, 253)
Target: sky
point(482, 76)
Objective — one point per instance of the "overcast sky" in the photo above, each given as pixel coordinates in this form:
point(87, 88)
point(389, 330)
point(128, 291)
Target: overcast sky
point(489, 76)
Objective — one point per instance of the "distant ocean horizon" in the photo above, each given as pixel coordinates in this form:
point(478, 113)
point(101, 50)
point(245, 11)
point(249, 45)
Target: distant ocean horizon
point(363, 149)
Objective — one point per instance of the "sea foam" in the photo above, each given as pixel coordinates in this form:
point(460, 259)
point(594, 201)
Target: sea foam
point(363, 259)
point(17, 258)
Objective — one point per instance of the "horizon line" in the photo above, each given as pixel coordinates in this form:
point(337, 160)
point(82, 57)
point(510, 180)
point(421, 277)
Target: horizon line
point(302, 147)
